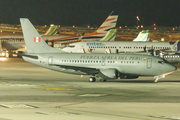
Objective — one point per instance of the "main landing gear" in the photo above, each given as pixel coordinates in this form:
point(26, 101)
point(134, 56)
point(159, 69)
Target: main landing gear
point(92, 79)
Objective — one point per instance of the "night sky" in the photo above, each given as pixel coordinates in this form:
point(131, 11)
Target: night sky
point(90, 12)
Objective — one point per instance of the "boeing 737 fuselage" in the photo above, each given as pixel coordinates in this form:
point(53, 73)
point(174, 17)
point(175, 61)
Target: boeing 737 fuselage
point(106, 66)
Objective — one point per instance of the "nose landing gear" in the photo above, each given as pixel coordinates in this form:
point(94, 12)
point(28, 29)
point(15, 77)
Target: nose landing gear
point(156, 78)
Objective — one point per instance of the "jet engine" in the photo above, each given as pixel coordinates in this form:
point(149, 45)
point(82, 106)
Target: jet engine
point(108, 73)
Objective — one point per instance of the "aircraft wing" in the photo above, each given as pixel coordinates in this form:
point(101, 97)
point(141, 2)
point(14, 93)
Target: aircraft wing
point(82, 69)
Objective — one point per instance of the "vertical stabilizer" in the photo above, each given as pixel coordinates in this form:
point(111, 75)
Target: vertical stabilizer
point(143, 36)
point(34, 42)
point(108, 24)
point(110, 36)
point(174, 47)
point(52, 30)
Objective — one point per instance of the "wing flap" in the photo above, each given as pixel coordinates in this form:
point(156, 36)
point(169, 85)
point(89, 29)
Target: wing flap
point(82, 69)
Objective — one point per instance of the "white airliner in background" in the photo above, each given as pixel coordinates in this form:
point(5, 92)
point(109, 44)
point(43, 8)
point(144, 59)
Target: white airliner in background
point(120, 47)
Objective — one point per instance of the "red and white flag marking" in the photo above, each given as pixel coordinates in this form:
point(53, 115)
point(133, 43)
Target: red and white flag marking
point(37, 39)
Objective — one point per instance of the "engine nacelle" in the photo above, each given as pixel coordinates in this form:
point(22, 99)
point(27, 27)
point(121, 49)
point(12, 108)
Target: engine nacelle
point(108, 73)
point(128, 76)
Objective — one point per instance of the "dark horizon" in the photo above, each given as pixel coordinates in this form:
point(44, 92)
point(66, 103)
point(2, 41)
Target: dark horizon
point(91, 12)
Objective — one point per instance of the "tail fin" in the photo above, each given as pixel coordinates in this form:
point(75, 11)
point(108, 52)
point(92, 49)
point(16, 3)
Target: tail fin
point(110, 36)
point(143, 35)
point(52, 30)
point(109, 23)
point(174, 47)
point(34, 42)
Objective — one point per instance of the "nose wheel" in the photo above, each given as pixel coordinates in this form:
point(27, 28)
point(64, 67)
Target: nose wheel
point(92, 79)
point(156, 78)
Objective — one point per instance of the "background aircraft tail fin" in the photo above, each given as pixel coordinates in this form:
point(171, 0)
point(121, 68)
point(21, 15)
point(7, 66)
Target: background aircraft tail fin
point(174, 47)
point(110, 36)
point(52, 30)
point(33, 40)
point(108, 24)
point(142, 36)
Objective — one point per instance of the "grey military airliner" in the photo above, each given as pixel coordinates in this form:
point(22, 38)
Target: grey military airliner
point(105, 66)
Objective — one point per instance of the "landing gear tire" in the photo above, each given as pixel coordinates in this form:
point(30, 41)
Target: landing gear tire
point(103, 80)
point(156, 80)
point(92, 79)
